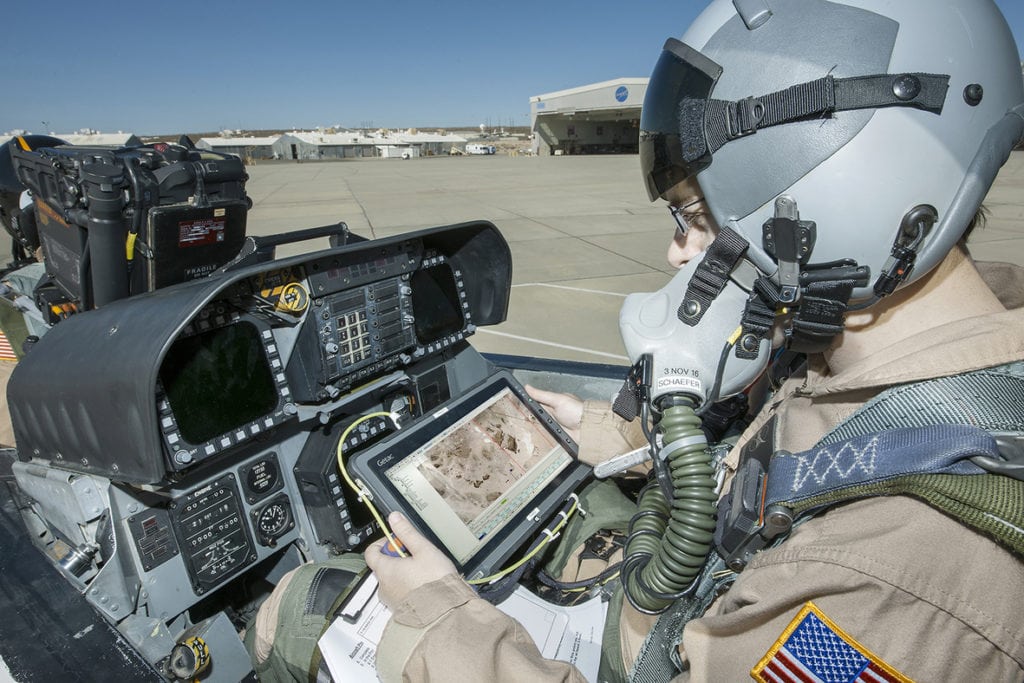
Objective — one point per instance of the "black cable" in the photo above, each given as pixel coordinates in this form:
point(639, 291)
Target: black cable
point(719, 373)
point(603, 577)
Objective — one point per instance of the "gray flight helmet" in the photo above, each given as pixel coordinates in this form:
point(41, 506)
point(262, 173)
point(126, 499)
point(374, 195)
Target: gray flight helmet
point(858, 174)
point(924, 102)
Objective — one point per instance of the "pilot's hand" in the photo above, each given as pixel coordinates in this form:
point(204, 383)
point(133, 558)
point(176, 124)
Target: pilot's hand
point(399, 576)
point(565, 408)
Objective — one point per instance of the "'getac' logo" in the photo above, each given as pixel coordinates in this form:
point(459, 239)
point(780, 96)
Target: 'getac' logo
point(385, 460)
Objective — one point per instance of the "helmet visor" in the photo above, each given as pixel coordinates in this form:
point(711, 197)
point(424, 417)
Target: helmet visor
point(673, 140)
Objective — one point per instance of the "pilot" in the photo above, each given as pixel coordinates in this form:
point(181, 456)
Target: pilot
point(600, 433)
point(844, 147)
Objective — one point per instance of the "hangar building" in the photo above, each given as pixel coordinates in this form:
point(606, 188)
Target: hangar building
point(316, 145)
point(603, 118)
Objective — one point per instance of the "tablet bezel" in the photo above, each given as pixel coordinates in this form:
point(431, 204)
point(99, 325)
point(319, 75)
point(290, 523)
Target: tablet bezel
point(370, 467)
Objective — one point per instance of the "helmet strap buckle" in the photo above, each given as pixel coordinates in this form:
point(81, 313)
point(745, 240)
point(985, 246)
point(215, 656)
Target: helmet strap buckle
point(743, 117)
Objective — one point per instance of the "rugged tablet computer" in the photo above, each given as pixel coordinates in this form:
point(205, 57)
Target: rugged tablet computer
point(480, 476)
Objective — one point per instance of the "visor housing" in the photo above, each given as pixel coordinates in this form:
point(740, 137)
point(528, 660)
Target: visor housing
point(673, 141)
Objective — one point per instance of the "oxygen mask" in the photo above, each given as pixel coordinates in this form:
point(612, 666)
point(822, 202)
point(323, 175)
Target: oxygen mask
point(691, 337)
point(683, 342)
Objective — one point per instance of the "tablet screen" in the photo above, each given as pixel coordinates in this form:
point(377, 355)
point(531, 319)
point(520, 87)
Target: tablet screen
point(471, 479)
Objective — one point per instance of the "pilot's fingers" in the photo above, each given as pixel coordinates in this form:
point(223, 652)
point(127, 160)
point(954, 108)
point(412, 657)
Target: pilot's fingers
point(556, 402)
point(373, 555)
point(548, 398)
point(376, 545)
point(413, 540)
point(565, 408)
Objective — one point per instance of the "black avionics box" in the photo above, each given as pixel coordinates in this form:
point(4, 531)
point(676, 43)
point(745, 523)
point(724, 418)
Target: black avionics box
point(114, 222)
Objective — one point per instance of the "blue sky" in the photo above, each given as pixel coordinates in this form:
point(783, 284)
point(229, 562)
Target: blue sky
point(188, 66)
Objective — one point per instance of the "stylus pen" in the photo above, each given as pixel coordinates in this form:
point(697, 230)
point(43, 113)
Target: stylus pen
point(621, 463)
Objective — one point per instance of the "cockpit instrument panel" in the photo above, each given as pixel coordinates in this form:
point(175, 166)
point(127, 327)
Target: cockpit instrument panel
point(208, 368)
point(359, 329)
point(203, 430)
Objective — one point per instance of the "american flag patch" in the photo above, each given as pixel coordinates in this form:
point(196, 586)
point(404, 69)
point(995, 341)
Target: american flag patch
point(6, 350)
point(813, 649)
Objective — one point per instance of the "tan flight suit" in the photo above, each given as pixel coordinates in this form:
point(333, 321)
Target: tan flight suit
point(929, 597)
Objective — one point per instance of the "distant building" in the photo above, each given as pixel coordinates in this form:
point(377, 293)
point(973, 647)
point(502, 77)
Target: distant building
point(244, 147)
point(603, 118)
point(397, 151)
point(117, 139)
point(431, 144)
point(355, 145)
point(313, 145)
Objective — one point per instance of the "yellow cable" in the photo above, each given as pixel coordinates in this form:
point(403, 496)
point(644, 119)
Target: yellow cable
point(548, 538)
point(130, 245)
point(363, 494)
point(735, 335)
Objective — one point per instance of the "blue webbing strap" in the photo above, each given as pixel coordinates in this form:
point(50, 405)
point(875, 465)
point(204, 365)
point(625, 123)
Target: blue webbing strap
point(821, 472)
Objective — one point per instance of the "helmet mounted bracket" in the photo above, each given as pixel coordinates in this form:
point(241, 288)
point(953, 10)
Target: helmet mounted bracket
point(755, 13)
point(817, 294)
point(789, 241)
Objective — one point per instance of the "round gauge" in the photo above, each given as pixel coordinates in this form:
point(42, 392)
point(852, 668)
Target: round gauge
point(294, 298)
point(273, 520)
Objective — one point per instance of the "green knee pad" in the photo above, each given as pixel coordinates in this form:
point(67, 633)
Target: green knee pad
point(606, 508)
point(306, 609)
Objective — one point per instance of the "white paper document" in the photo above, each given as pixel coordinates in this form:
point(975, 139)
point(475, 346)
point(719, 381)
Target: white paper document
point(571, 634)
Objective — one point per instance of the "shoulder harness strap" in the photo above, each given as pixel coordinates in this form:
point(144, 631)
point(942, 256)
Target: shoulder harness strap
point(908, 440)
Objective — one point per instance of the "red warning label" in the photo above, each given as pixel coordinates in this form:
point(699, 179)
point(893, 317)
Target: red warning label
point(199, 232)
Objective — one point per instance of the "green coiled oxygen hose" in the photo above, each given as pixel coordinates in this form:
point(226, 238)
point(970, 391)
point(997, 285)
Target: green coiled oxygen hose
point(669, 540)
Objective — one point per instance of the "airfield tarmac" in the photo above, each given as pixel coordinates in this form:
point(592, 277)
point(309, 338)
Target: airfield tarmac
point(582, 233)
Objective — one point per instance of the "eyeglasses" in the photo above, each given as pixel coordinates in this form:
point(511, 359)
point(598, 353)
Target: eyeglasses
point(685, 214)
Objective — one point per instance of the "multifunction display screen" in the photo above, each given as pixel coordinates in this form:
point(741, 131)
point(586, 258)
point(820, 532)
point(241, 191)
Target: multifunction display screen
point(436, 304)
point(218, 380)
